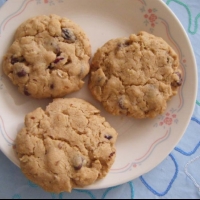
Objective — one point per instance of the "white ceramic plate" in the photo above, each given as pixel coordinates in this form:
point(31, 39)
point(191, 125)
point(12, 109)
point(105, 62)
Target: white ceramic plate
point(142, 144)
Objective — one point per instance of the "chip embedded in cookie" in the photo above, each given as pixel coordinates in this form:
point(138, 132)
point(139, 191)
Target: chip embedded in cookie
point(135, 76)
point(68, 145)
point(49, 57)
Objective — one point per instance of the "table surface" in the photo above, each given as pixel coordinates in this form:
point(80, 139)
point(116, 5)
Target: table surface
point(178, 176)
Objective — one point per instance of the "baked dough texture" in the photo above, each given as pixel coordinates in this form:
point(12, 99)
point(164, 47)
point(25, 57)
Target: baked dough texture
point(135, 76)
point(66, 146)
point(49, 57)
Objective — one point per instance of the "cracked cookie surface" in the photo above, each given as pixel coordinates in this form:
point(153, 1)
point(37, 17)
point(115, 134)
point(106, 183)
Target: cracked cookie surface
point(49, 57)
point(135, 76)
point(68, 145)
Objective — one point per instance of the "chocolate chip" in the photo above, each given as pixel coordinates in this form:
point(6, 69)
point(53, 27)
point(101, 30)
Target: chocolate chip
point(119, 45)
point(57, 60)
point(108, 137)
point(17, 59)
point(58, 53)
point(127, 43)
point(50, 67)
point(78, 162)
point(68, 35)
point(21, 73)
point(14, 60)
point(68, 61)
point(124, 44)
point(26, 92)
point(52, 86)
point(177, 83)
point(112, 154)
point(167, 60)
point(99, 79)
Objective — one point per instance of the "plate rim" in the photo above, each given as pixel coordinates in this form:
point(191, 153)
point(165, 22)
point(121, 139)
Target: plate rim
point(192, 106)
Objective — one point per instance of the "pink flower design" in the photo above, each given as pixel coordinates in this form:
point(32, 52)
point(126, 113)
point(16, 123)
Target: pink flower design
point(174, 116)
point(153, 18)
point(45, 1)
point(150, 17)
point(168, 114)
point(168, 120)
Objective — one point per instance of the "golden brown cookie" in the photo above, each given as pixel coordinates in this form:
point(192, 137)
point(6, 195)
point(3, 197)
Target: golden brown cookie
point(49, 57)
point(135, 76)
point(68, 145)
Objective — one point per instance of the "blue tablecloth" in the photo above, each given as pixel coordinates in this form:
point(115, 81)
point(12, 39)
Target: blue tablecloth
point(178, 176)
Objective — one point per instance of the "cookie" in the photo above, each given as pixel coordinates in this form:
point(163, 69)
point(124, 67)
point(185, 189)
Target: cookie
point(68, 145)
point(49, 57)
point(135, 76)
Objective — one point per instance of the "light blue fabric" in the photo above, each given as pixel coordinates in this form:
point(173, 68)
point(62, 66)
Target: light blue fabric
point(168, 180)
point(2, 2)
